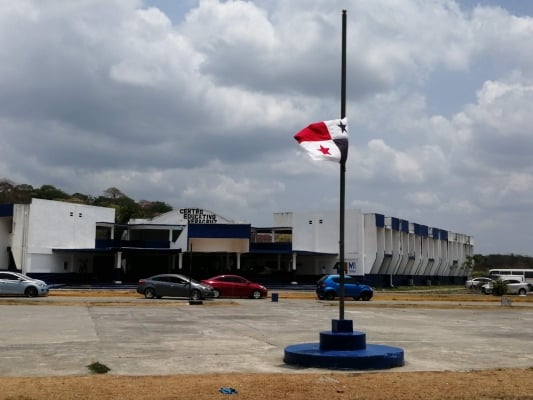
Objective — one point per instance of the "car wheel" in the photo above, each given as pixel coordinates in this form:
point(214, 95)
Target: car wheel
point(196, 295)
point(256, 294)
point(216, 293)
point(31, 292)
point(522, 292)
point(486, 291)
point(149, 293)
point(366, 296)
point(330, 296)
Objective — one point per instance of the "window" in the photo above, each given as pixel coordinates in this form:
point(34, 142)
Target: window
point(9, 277)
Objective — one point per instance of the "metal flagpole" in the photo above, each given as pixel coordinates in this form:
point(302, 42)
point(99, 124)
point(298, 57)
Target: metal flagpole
point(342, 171)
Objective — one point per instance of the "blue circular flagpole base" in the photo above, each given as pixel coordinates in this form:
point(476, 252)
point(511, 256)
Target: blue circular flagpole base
point(343, 348)
point(373, 356)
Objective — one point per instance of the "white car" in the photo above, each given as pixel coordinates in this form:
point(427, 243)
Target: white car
point(13, 283)
point(513, 286)
point(476, 283)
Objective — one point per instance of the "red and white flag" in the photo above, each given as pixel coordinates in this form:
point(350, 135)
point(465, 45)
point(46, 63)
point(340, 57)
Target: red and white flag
point(326, 140)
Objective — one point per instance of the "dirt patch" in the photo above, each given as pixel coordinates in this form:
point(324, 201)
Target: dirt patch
point(491, 384)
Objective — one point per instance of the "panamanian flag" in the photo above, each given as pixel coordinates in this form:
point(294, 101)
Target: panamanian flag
point(326, 140)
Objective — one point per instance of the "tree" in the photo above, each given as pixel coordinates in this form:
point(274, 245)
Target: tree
point(150, 209)
point(12, 193)
point(499, 287)
point(6, 191)
point(125, 208)
point(113, 193)
point(23, 194)
point(468, 264)
point(49, 192)
point(82, 198)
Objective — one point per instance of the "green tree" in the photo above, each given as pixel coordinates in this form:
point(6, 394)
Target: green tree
point(12, 193)
point(150, 209)
point(6, 191)
point(113, 193)
point(125, 207)
point(82, 199)
point(49, 192)
point(499, 287)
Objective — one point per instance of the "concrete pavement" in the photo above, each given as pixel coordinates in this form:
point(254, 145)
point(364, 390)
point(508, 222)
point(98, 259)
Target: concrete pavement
point(134, 336)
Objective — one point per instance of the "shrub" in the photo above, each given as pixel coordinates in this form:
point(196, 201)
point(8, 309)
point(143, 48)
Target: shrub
point(98, 368)
point(499, 288)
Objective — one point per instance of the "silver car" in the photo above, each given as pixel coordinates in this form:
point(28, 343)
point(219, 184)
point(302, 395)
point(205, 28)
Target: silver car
point(512, 286)
point(173, 285)
point(476, 283)
point(15, 284)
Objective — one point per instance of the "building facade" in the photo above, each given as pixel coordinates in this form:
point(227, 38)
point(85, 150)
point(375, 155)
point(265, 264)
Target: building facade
point(386, 251)
point(68, 242)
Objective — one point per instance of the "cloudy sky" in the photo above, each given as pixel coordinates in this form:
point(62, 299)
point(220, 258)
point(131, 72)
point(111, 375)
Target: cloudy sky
point(195, 103)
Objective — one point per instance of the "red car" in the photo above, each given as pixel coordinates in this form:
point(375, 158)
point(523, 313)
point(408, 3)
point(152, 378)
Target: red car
point(235, 286)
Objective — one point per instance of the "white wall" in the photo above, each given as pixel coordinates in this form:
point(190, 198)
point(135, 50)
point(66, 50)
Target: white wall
point(59, 225)
point(316, 232)
point(283, 219)
point(370, 245)
point(55, 224)
point(319, 232)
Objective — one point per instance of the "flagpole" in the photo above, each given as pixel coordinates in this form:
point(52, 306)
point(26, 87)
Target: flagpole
point(342, 171)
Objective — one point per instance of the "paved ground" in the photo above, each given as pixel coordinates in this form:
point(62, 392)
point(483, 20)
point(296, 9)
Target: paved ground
point(158, 337)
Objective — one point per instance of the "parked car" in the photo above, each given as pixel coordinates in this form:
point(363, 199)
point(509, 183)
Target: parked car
point(13, 283)
point(512, 286)
point(173, 285)
point(235, 286)
point(328, 287)
point(476, 283)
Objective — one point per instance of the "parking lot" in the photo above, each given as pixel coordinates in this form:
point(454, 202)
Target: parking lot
point(134, 336)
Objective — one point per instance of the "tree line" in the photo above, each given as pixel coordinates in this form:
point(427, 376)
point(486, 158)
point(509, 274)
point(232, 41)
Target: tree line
point(125, 207)
point(482, 263)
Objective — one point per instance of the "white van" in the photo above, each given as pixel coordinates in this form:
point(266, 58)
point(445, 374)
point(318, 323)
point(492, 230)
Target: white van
point(519, 278)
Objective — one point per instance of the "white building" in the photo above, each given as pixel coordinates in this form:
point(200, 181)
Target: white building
point(29, 233)
point(385, 250)
point(61, 241)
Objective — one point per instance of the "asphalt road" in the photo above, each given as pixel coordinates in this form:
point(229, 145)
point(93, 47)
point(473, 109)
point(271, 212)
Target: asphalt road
point(134, 336)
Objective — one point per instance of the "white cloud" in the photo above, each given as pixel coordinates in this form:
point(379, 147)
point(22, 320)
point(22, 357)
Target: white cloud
point(196, 104)
point(424, 199)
